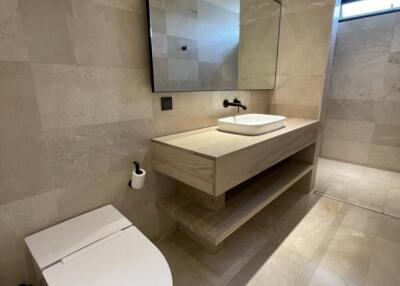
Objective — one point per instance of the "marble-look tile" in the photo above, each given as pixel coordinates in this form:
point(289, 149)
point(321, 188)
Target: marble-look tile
point(259, 31)
point(349, 254)
point(183, 266)
point(92, 163)
point(369, 188)
point(338, 186)
point(71, 96)
point(19, 113)
point(300, 54)
point(379, 176)
point(217, 32)
point(215, 76)
point(160, 74)
point(200, 112)
point(386, 112)
point(106, 36)
point(313, 45)
point(212, 11)
point(345, 150)
point(358, 76)
point(226, 51)
point(27, 216)
point(12, 40)
point(46, 28)
point(24, 167)
point(378, 22)
point(137, 6)
point(385, 264)
point(392, 67)
point(359, 131)
point(183, 70)
point(238, 250)
point(369, 195)
point(299, 90)
point(360, 110)
point(159, 46)
point(183, 85)
point(158, 20)
point(392, 202)
point(160, 4)
point(9, 248)
point(390, 229)
point(18, 271)
point(182, 26)
point(309, 235)
point(285, 267)
point(175, 48)
point(395, 47)
point(295, 27)
point(384, 157)
point(329, 167)
point(326, 277)
point(387, 135)
point(364, 88)
point(296, 6)
point(391, 88)
point(354, 63)
point(186, 8)
point(33, 214)
point(353, 36)
point(362, 220)
point(327, 243)
point(293, 110)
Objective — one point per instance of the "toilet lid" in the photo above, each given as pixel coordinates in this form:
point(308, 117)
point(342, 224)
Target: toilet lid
point(125, 258)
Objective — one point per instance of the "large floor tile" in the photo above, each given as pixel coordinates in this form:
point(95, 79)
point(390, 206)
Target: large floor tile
point(296, 240)
point(392, 202)
point(370, 188)
point(349, 254)
point(385, 264)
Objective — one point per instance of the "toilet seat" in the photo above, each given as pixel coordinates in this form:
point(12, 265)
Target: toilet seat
point(126, 258)
point(101, 247)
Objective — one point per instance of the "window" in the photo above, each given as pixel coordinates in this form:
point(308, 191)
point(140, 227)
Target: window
point(352, 9)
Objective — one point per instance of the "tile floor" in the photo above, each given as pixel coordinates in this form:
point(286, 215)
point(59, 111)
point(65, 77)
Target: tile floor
point(370, 188)
point(297, 240)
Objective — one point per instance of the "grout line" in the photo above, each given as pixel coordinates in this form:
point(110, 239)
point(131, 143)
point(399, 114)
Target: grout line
point(353, 204)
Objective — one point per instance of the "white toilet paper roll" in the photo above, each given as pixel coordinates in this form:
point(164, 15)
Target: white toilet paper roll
point(138, 179)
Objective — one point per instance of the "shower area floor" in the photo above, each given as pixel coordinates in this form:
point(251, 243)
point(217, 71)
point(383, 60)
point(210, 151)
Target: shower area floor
point(373, 189)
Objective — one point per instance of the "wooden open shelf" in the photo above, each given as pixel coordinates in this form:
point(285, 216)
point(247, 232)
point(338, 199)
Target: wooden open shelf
point(213, 226)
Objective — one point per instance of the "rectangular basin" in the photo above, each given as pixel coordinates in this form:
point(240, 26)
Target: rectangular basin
point(251, 124)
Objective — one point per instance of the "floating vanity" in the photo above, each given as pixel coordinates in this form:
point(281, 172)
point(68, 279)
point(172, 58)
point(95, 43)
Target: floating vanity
point(224, 179)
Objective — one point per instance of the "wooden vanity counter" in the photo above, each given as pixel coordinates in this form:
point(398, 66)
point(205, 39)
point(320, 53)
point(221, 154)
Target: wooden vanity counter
point(214, 162)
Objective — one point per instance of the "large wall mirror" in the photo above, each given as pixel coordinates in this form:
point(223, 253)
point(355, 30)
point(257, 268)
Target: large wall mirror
point(213, 44)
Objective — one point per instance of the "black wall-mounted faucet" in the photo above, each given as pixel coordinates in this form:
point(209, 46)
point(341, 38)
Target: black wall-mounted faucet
point(236, 103)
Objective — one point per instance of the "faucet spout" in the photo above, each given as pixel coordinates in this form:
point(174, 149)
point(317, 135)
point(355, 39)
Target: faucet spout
point(236, 103)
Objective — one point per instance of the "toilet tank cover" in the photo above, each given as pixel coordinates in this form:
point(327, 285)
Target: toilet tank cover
point(53, 244)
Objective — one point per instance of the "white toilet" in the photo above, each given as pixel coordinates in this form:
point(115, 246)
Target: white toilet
point(99, 248)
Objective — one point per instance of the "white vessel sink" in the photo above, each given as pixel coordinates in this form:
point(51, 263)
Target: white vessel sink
point(251, 124)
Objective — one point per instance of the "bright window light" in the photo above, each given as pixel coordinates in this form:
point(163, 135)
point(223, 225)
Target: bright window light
point(365, 7)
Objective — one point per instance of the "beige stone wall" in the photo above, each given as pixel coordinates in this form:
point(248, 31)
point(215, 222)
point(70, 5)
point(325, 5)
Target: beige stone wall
point(363, 102)
point(258, 46)
point(76, 109)
point(304, 43)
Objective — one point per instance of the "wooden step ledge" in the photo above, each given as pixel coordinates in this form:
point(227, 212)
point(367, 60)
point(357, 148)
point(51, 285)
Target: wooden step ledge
point(215, 226)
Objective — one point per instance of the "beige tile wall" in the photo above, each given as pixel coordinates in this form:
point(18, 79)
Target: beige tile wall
point(363, 102)
point(76, 109)
point(304, 43)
